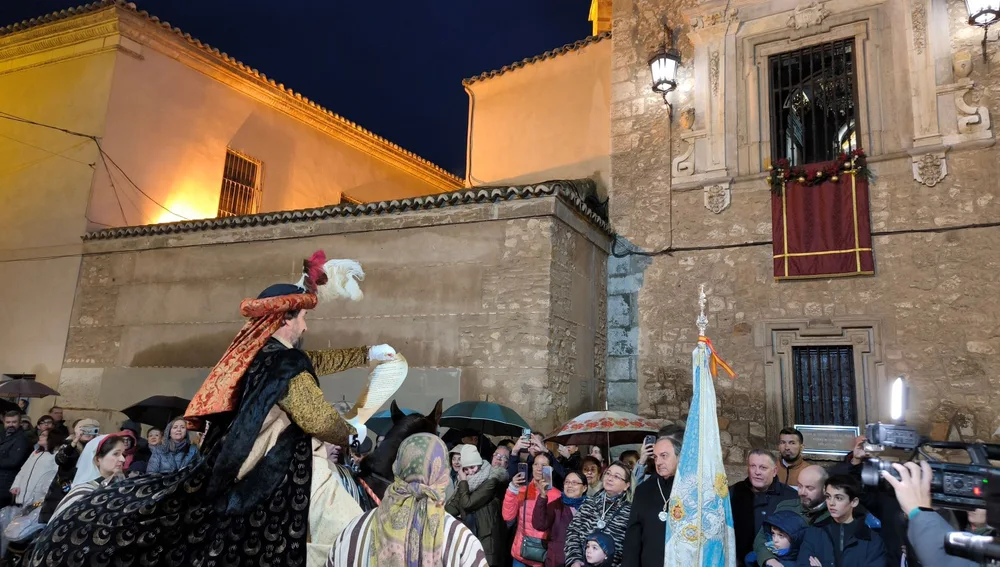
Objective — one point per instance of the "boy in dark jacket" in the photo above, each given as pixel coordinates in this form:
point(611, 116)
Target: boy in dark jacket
point(843, 540)
point(785, 531)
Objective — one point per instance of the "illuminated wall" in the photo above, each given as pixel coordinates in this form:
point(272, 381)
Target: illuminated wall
point(45, 183)
point(169, 125)
point(547, 120)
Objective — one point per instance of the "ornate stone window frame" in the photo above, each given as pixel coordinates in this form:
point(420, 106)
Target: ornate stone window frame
point(777, 337)
point(757, 45)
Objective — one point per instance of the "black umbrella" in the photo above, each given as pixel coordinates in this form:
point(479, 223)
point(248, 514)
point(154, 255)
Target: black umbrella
point(7, 405)
point(25, 388)
point(157, 410)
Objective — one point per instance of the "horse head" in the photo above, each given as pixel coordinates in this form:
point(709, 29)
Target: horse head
point(376, 468)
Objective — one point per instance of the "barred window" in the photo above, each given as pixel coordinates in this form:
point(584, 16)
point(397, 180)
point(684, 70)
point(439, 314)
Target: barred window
point(813, 103)
point(240, 186)
point(825, 387)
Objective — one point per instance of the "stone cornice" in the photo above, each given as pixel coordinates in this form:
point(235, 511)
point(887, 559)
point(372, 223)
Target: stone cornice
point(49, 43)
point(114, 17)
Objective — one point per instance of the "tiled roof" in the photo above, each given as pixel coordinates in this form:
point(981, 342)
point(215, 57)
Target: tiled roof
point(570, 190)
point(568, 48)
point(227, 60)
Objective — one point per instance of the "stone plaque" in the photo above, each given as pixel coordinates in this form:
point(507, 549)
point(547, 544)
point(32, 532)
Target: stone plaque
point(827, 441)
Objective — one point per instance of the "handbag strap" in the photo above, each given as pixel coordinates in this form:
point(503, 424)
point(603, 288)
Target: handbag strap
point(524, 515)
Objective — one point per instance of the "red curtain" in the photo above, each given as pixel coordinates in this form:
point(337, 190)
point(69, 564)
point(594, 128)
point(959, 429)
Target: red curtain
point(822, 230)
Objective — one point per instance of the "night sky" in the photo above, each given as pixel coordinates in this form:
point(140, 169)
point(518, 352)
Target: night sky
point(394, 67)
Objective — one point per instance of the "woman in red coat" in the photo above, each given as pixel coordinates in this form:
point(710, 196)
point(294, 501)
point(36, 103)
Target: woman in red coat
point(554, 516)
point(519, 503)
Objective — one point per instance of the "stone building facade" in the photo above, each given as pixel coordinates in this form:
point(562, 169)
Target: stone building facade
point(690, 190)
point(492, 293)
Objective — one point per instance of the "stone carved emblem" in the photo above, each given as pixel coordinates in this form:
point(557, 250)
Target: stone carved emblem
point(718, 197)
point(962, 64)
point(709, 20)
point(811, 14)
point(687, 119)
point(930, 169)
point(919, 20)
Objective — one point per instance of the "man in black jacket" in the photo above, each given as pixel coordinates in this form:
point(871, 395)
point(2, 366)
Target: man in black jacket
point(647, 527)
point(756, 498)
point(15, 447)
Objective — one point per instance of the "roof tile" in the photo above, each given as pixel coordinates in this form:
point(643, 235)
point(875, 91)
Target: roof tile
point(231, 61)
point(571, 191)
point(551, 54)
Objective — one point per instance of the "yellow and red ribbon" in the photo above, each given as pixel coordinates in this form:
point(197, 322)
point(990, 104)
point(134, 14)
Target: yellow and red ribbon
point(715, 361)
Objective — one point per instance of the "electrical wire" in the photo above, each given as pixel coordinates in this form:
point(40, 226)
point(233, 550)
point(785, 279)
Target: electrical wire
point(114, 189)
point(50, 152)
point(104, 156)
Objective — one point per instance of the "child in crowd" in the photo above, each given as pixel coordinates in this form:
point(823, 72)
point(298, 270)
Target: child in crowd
point(843, 540)
point(786, 529)
point(600, 550)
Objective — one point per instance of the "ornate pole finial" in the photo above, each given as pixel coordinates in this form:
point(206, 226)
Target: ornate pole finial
point(702, 321)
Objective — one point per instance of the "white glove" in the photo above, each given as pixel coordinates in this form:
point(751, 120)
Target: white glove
point(381, 353)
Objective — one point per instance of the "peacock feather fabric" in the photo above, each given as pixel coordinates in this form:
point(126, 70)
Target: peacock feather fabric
point(699, 517)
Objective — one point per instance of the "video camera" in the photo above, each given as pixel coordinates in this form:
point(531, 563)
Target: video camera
point(959, 486)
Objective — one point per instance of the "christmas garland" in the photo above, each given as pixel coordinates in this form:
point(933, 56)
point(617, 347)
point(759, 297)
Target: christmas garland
point(855, 162)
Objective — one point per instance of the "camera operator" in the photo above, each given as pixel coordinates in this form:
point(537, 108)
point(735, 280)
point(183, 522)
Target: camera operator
point(927, 529)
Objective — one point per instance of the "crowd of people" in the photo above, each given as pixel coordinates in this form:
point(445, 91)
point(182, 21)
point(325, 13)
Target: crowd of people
point(47, 466)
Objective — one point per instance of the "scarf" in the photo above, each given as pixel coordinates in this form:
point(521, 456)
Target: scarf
point(218, 393)
point(407, 529)
point(477, 480)
point(573, 503)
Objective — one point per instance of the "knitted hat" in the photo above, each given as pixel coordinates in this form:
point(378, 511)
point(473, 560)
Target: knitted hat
point(605, 541)
point(456, 450)
point(470, 456)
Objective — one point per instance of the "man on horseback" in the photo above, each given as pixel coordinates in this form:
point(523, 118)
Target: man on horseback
point(264, 493)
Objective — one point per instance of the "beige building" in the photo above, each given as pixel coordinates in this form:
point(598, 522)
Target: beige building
point(690, 203)
point(184, 132)
point(909, 85)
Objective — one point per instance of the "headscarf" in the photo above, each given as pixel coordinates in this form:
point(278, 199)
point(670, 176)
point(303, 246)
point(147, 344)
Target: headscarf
point(86, 468)
point(172, 446)
point(407, 529)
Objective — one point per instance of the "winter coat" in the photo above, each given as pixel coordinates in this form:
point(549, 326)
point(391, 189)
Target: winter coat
point(66, 458)
point(14, 451)
point(811, 517)
point(163, 460)
point(842, 545)
point(751, 508)
point(553, 517)
point(483, 505)
point(794, 526)
point(514, 507)
point(644, 539)
point(616, 516)
point(789, 475)
point(926, 533)
point(34, 478)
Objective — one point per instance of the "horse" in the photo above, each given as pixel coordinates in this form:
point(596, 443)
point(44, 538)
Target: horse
point(374, 475)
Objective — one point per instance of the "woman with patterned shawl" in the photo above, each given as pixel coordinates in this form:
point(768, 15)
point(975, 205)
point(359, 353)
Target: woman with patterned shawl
point(263, 494)
point(410, 527)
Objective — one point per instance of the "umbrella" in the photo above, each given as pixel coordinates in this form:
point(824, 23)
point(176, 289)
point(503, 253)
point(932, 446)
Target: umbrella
point(157, 410)
point(7, 405)
point(381, 423)
point(485, 417)
point(25, 388)
point(604, 428)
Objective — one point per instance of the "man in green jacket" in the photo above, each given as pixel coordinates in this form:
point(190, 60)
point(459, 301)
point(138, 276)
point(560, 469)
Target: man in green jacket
point(811, 505)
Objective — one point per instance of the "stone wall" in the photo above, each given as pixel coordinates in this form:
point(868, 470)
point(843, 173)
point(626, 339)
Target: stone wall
point(929, 314)
point(490, 299)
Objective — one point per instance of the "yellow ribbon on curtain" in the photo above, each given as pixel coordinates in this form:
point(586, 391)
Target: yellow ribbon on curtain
point(715, 361)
